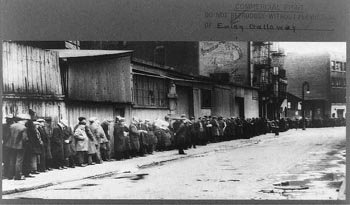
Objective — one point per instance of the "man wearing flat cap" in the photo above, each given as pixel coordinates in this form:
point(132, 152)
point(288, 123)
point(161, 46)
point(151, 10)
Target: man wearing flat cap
point(180, 135)
point(45, 148)
point(81, 141)
point(6, 150)
point(16, 145)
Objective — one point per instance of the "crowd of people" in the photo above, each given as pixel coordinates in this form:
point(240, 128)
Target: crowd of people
point(28, 147)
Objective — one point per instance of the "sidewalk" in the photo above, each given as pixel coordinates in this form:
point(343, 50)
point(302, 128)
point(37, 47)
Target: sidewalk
point(55, 177)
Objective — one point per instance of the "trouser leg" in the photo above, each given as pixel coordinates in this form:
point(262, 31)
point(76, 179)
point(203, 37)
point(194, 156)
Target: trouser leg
point(98, 154)
point(19, 163)
point(12, 163)
point(6, 161)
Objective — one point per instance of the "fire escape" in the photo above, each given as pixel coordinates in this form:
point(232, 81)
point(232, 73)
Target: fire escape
point(270, 76)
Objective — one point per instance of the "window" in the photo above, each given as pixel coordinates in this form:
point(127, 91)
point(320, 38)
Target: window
point(206, 98)
point(149, 91)
point(333, 65)
point(333, 82)
point(337, 65)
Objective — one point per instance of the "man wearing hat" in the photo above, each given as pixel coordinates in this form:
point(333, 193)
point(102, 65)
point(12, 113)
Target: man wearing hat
point(81, 141)
point(33, 149)
point(16, 146)
point(194, 133)
point(6, 150)
point(45, 155)
point(121, 146)
point(99, 135)
point(106, 148)
point(180, 135)
point(69, 150)
point(134, 135)
point(57, 146)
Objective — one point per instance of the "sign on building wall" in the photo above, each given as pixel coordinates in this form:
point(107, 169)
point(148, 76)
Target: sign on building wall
point(225, 57)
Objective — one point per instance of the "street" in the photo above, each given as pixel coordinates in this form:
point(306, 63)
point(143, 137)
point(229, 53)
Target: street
point(296, 164)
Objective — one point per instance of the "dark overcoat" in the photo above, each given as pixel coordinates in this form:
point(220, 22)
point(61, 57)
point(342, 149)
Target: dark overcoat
point(57, 139)
point(134, 135)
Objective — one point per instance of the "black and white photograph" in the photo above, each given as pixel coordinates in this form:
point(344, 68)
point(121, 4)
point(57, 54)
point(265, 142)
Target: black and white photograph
point(183, 120)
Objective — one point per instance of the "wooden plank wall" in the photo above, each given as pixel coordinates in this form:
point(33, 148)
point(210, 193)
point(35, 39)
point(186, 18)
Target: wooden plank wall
point(29, 70)
point(101, 112)
point(77, 110)
point(45, 109)
point(102, 80)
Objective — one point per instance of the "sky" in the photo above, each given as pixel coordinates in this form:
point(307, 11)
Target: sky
point(309, 47)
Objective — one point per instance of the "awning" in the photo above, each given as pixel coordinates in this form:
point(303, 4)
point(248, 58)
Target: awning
point(70, 53)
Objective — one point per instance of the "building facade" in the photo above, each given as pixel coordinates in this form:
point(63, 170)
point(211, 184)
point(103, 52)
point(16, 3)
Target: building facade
point(326, 74)
point(269, 75)
point(57, 84)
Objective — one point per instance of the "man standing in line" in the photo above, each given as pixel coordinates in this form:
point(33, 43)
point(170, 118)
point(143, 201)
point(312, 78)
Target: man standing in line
point(180, 135)
point(44, 148)
point(57, 149)
point(68, 145)
point(134, 135)
point(16, 146)
point(81, 141)
point(5, 150)
point(106, 149)
point(91, 146)
point(100, 137)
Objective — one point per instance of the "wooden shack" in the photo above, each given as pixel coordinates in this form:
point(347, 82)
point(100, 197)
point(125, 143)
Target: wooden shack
point(32, 81)
point(97, 83)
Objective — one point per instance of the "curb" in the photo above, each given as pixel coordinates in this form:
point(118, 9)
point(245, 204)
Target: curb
point(143, 166)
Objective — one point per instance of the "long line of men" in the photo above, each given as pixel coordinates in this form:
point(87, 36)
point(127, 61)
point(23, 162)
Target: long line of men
point(29, 148)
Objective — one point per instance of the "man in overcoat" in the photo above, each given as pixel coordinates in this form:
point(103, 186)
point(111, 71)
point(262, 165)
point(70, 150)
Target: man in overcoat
point(99, 135)
point(106, 149)
point(180, 135)
point(81, 141)
point(119, 139)
point(68, 145)
point(134, 135)
point(16, 146)
point(44, 148)
point(57, 148)
point(5, 150)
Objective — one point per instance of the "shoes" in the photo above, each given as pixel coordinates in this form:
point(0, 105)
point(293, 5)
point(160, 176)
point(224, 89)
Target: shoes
point(21, 178)
point(29, 176)
point(35, 172)
point(82, 165)
point(64, 167)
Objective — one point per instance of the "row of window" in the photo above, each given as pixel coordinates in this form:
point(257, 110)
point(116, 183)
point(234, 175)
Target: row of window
point(152, 92)
point(338, 82)
point(338, 66)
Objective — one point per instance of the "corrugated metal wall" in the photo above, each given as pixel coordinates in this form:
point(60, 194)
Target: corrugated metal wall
point(100, 80)
point(28, 70)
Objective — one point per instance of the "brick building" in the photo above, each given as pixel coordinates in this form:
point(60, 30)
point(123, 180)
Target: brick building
point(326, 74)
point(269, 75)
